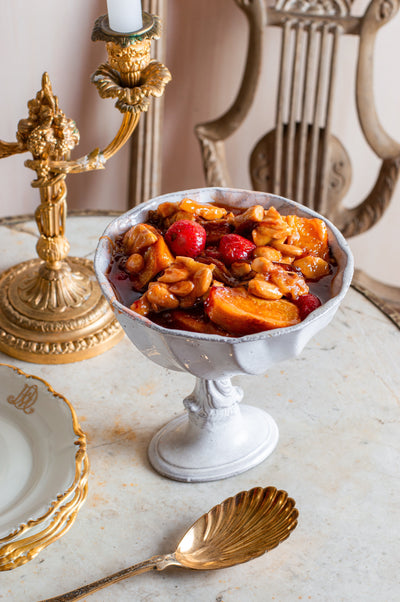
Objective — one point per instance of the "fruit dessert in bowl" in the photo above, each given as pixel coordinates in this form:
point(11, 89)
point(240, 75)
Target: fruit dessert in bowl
point(219, 282)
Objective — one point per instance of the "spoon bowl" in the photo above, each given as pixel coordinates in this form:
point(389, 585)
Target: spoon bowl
point(239, 529)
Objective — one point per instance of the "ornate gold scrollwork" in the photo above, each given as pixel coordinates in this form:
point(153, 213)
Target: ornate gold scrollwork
point(57, 290)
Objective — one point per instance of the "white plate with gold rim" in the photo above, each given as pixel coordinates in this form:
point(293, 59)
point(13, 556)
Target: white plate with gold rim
point(23, 549)
point(41, 451)
point(41, 528)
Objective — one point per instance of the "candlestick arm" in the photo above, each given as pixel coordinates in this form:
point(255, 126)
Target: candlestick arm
point(131, 101)
point(95, 160)
point(129, 76)
point(10, 148)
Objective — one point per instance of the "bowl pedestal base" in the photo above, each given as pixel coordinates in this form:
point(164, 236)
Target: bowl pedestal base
point(216, 438)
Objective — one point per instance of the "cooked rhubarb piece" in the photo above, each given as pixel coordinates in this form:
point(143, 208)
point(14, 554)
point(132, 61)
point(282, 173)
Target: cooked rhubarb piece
point(215, 230)
point(240, 313)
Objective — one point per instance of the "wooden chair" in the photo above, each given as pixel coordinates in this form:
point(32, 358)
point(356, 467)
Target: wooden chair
point(300, 158)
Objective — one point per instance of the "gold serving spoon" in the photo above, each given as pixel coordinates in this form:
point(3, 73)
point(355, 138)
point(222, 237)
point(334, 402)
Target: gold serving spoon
point(235, 531)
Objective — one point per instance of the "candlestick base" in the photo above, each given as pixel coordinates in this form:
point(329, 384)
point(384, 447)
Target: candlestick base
point(54, 316)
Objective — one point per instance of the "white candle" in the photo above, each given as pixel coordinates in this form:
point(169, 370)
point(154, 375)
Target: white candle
point(125, 16)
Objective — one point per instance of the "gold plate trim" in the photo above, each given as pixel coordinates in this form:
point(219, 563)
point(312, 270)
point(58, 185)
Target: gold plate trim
point(22, 551)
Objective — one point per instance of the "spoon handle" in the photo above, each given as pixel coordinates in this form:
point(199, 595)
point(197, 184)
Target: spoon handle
point(136, 569)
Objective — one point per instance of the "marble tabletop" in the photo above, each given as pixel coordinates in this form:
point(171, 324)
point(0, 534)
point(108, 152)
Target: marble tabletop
point(337, 409)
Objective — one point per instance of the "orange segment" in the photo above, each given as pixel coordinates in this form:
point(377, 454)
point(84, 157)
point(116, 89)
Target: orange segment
point(182, 320)
point(313, 268)
point(311, 235)
point(240, 313)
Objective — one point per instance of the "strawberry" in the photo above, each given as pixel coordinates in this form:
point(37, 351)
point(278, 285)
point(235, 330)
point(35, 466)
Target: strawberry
point(306, 304)
point(235, 248)
point(186, 237)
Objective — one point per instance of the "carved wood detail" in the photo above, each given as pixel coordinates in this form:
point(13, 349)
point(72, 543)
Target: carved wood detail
point(338, 173)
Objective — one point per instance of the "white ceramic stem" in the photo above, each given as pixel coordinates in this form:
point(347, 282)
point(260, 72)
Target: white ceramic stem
point(216, 438)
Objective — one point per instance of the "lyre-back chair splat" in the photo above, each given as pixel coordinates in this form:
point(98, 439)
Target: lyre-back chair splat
point(300, 157)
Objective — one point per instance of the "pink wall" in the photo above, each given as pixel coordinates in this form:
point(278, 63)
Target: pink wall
point(206, 43)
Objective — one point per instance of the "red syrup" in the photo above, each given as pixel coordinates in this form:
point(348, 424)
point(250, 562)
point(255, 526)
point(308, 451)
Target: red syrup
point(121, 281)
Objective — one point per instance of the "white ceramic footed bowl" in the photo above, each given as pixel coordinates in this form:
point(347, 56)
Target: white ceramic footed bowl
point(212, 356)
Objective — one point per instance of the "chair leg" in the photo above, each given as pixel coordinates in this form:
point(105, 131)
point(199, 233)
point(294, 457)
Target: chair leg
point(384, 296)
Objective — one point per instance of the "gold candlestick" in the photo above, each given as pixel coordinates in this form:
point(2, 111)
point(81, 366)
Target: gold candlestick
point(51, 308)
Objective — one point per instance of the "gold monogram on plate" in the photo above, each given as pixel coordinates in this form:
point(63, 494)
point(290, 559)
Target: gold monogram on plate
point(26, 399)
